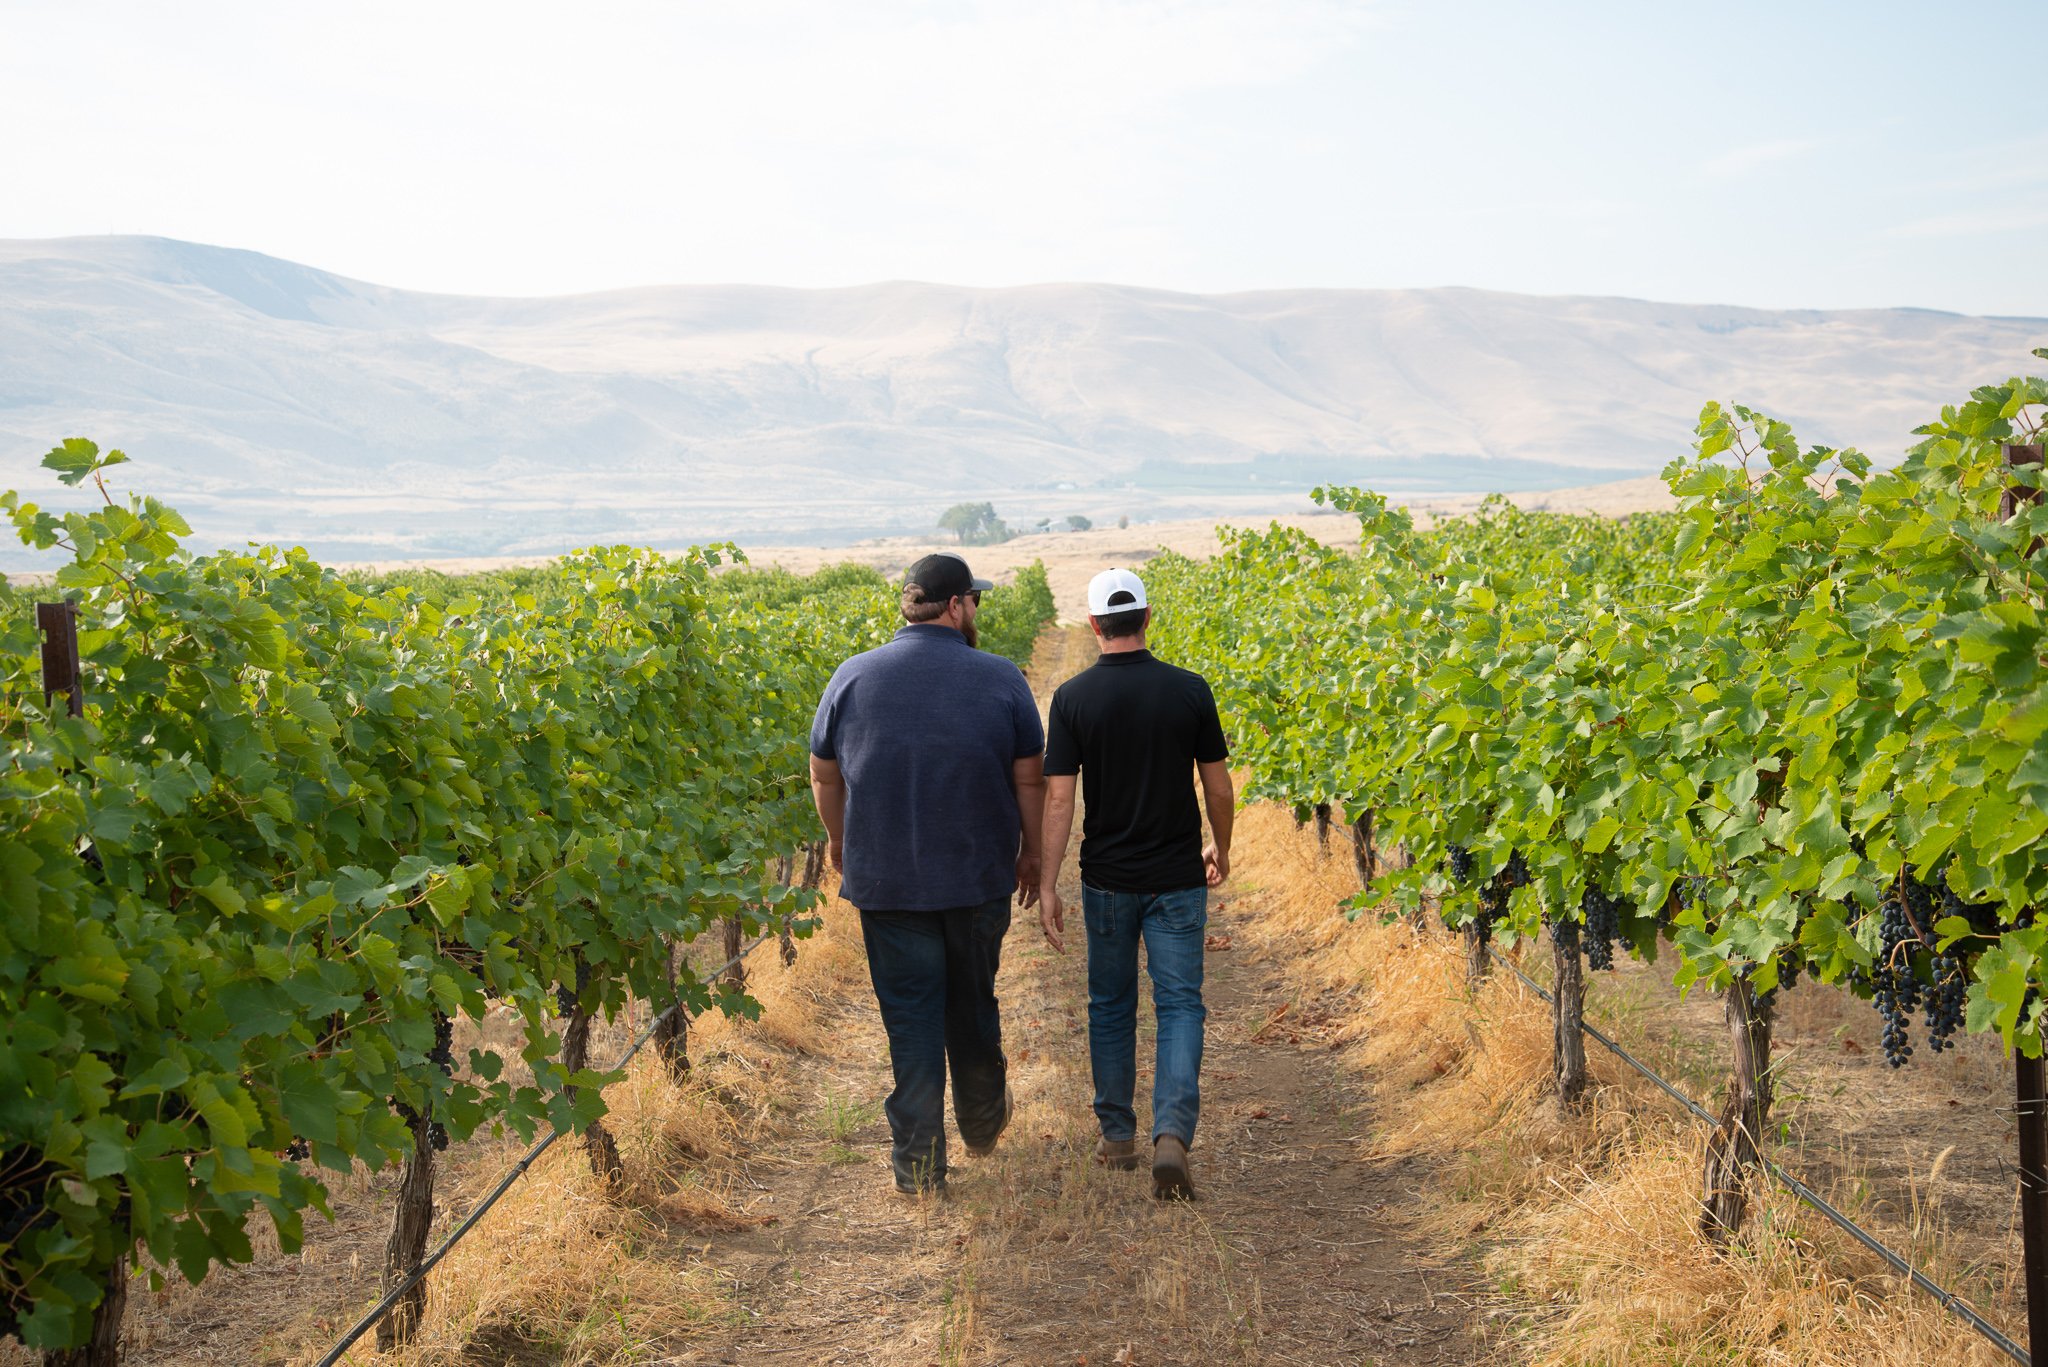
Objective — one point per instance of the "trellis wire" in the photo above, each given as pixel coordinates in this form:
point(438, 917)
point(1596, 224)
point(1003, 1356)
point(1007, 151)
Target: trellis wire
point(1948, 1300)
point(418, 1274)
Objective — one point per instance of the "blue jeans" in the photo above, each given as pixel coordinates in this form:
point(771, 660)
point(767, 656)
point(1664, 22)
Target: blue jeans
point(1171, 924)
point(935, 979)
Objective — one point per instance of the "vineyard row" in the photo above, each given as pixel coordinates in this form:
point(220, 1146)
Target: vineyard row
point(1795, 727)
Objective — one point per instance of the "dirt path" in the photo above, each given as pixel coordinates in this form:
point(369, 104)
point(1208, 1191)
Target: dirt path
point(1294, 1253)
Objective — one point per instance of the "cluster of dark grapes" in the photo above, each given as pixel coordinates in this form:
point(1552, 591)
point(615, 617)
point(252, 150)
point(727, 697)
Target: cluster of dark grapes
point(1982, 916)
point(1459, 860)
point(443, 1053)
point(442, 1057)
point(1564, 933)
point(1919, 902)
point(1788, 978)
point(1493, 904)
point(1516, 874)
point(1603, 927)
point(1493, 898)
point(1894, 988)
point(1906, 920)
point(1945, 1001)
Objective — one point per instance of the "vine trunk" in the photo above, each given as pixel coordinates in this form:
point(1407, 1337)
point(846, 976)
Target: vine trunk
point(1732, 1151)
point(1364, 857)
point(411, 1222)
point(597, 1140)
point(1567, 1014)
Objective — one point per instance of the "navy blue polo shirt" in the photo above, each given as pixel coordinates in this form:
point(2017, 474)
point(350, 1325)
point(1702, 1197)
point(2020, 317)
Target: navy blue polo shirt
point(926, 730)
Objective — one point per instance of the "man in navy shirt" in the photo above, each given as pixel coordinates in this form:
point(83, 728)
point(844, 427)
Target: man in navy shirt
point(1138, 731)
point(925, 766)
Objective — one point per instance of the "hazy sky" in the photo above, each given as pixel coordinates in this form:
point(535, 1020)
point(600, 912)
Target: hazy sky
point(1780, 154)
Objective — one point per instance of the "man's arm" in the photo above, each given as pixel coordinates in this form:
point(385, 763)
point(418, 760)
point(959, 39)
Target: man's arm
point(1059, 828)
point(1221, 800)
point(828, 792)
point(1027, 781)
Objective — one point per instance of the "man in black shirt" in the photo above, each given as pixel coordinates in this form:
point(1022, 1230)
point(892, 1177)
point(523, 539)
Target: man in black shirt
point(1136, 730)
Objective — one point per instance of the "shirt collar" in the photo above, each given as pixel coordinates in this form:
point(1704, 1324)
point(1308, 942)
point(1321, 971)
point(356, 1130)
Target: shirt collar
point(1124, 657)
point(932, 631)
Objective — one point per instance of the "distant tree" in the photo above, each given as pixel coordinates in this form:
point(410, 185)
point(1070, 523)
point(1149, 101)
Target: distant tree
point(1043, 524)
point(965, 519)
point(975, 524)
point(1078, 523)
point(1124, 521)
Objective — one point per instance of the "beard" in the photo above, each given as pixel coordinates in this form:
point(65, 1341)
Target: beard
point(972, 633)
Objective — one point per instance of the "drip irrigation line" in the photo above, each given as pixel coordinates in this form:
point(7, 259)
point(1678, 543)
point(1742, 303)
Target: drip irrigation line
point(519, 1169)
point(1947, 1299)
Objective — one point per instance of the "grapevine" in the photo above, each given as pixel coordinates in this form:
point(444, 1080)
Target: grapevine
point(308, 822)
point(1787, 729)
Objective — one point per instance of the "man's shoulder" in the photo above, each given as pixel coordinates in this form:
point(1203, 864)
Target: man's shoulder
point(909, 655)
point(1079, 685)
point(853, 666)
point(1182, 674)
point(991, 663)
point(1001, 672)
point(1165, 674)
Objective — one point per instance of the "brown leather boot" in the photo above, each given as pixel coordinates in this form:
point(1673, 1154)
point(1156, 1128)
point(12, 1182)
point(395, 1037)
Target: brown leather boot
point(1170, 1170)
point(1118, 1155)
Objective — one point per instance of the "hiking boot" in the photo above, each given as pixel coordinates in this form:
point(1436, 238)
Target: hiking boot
point(1170, 1170)
point(1118, 1155)
point(1009, 1109)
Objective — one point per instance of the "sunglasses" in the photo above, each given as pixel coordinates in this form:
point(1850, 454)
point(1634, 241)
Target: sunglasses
point(975, 595)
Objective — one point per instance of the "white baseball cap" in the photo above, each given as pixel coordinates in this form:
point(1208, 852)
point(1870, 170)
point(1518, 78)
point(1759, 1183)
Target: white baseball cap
point(1115, 591)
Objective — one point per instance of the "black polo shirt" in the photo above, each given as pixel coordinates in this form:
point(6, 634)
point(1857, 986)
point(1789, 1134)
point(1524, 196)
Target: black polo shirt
point(1134, 727)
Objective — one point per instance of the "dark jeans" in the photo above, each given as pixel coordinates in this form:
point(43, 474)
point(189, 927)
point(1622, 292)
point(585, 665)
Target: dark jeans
point(935, 978)
point(1171, 924)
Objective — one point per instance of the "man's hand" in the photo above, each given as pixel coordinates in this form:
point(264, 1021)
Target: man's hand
point(1215, 864)
point(1027, 879)
point(1052, 918)
point(835, 850)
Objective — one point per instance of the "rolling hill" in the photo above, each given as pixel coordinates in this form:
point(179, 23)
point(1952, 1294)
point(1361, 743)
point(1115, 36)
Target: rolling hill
point(271, 400)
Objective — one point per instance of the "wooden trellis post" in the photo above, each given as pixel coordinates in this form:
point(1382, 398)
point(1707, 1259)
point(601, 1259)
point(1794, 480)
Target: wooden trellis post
point(59, 624)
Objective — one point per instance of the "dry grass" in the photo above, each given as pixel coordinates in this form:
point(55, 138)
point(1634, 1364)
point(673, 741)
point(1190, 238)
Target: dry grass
point(561, 1272)
point(1050, 1251)
point(1585, 1226)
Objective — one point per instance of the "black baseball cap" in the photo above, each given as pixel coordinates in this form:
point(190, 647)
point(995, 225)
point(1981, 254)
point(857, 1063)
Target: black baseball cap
point(943, 575)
